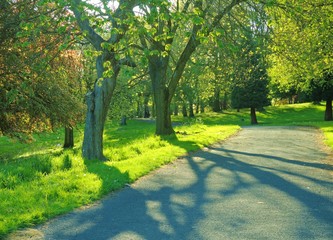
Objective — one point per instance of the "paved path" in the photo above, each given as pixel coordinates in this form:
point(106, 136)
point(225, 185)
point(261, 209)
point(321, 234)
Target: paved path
point(264, 183)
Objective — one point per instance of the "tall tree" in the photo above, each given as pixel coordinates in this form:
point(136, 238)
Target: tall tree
point(162, 23)
point(109, 59)
point(303, 36)
point(250, 87)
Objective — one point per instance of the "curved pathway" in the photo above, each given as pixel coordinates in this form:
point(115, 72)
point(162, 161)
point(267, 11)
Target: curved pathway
point(263, 183)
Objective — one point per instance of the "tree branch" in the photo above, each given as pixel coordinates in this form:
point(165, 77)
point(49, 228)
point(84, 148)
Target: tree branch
point(85, 27)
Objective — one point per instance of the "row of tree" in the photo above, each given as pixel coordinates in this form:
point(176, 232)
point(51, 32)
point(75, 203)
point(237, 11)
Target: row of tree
point(168, 54)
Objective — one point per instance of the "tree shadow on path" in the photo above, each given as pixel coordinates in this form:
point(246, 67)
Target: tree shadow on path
point(220, 193)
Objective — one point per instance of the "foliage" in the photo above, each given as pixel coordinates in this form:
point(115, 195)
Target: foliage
point(250, 85)
point(169, 34)
point(301, 44)
point(39, 78)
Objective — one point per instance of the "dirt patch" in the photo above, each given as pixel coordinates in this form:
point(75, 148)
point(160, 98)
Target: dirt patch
point(26, 234)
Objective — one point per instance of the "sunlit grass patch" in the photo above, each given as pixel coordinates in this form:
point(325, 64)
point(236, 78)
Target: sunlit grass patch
point(327, 128)
point(41, 180)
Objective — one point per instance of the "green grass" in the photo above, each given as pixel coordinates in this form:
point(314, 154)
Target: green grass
point(41, 180)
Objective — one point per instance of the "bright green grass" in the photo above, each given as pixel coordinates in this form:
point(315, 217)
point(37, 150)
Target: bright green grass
point(305, 114)
point(41, 180)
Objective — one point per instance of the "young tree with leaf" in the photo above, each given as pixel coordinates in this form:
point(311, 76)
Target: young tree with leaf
point(250, 86)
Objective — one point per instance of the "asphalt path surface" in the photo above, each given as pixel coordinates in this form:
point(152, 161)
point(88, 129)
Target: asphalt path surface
point(263, 183)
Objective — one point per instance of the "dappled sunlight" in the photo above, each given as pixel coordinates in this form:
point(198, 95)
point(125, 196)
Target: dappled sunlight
point(61, 180)
point(225, 192)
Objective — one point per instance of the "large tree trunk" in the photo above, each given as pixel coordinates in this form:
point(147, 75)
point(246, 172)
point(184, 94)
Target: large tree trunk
point(162, 98)
point(98, 102)
point(253, 116)
point(163, 116)
point(69, 137)
point(328, 110)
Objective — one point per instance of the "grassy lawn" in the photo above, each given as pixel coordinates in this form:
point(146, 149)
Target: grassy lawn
point(41, 180)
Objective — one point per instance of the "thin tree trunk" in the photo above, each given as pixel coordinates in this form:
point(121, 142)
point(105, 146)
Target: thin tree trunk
point(328, 110)
point(225, 101)
point(123, 121)
point(197, 105)
point(253, 116)
point(191, 114)
point(202, 107)
point(146, 113)
point(216, 100)
point(175, 113)
point(184, 110)
point(138, 109)
point(69, 137)
point(153, 109)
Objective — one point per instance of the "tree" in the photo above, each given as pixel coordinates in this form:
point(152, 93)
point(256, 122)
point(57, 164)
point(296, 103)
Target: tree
point(302, 43)
point(162, 23)
point(251, 80)
point(109, 60)
point(33, 67)
point(322, 89)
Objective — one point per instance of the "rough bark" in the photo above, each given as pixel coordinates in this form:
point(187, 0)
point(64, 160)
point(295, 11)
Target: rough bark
point(98, 102)
point(69, 137)
point(253, 116)
point(163, 116)
point(328, 110)
point(162, 98)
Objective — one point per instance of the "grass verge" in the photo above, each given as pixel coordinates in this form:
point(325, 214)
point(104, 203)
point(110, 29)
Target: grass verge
point(41, 180)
